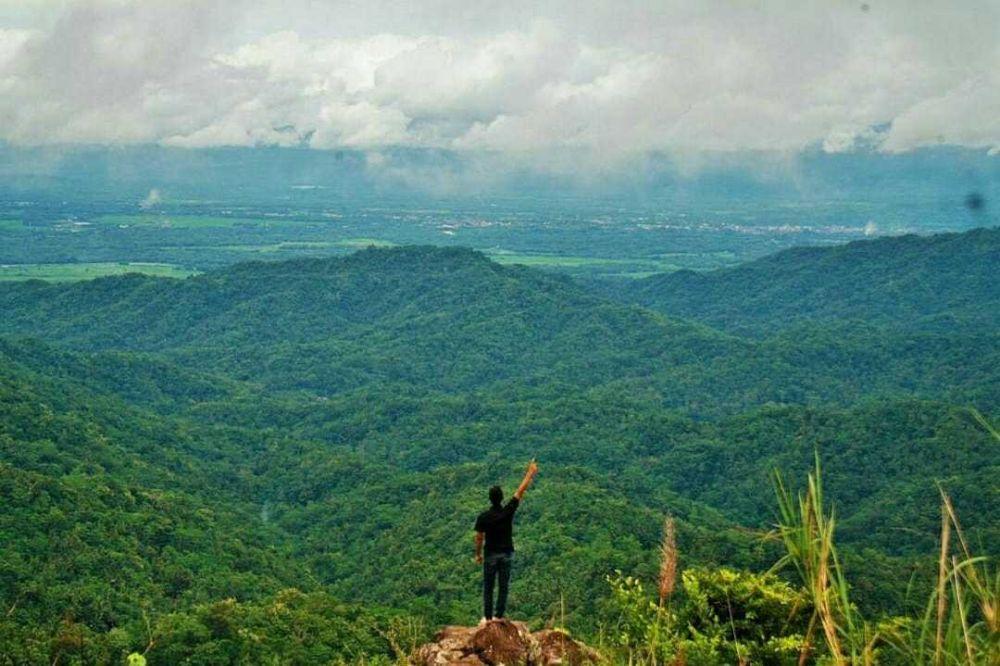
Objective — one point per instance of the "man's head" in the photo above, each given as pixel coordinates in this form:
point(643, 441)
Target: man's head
point(496, 495)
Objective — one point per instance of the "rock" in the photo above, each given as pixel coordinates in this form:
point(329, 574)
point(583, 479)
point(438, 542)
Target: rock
point(450, 646)
point(502, 642)
point(556, 647)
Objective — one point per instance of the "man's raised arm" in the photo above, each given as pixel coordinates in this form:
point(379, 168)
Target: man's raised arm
point(529, 476)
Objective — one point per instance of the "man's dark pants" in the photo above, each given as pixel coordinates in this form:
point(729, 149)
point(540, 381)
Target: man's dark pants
point(496, 565)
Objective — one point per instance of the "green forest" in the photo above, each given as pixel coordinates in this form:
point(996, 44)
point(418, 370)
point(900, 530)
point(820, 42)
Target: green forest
point(282, 462)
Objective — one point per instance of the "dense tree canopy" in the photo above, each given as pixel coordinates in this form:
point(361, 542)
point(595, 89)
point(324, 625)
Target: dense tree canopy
point(188, 464)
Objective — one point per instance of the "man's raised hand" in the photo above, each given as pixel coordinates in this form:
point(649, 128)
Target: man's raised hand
point(528, 477)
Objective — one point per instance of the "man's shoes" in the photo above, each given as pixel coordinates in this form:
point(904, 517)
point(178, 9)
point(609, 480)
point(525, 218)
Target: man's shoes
point(483, 621)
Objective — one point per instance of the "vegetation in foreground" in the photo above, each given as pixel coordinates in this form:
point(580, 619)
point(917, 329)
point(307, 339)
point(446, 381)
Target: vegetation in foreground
point(736, 617)
point(715, 616)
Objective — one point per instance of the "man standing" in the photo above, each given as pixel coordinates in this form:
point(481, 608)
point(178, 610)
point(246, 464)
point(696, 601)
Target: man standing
point(495, 527)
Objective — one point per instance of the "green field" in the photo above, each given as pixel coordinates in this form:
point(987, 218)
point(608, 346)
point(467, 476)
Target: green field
point(626, 266)
point(272, 247)
point(349, 243)
point(87, 271)
point(364, 242)
point(185, 221)
point(11, 225)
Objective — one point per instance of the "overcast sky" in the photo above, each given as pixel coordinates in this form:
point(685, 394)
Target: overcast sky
point(520, 78)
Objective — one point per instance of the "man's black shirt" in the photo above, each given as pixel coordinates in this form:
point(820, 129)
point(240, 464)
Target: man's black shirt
point(498, 524)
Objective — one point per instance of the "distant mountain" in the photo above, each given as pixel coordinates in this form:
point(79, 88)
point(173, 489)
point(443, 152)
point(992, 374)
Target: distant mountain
point(944, 282)
point(449, 317)
point(452, 320)
point(292, 301)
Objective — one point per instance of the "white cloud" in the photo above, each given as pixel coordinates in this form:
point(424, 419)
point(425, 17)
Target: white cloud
point(11, 41)
point(151, 200)
point(611, 79)
point(967, 115)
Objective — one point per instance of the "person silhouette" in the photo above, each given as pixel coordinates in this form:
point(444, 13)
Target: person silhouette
point(495, 530)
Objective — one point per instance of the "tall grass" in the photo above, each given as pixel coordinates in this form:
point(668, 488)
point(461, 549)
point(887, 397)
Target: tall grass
point(960, 624)
point(668, 561)
point(806, 530)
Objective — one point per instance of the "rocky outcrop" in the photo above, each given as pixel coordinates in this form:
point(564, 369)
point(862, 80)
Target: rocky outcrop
point(502, 642)
point(556, 647)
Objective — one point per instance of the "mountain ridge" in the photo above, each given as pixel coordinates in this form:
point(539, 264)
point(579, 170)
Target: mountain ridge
point(452, 320)
point(937, 282)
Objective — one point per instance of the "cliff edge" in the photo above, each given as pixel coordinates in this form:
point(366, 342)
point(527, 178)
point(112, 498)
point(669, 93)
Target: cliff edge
point(502, 642)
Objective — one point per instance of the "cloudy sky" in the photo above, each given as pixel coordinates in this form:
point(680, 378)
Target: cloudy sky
point(606, 78)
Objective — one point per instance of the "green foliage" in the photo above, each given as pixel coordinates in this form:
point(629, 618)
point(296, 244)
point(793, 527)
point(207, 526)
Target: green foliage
point(289, 628)
point(940, 282)
point(388, 316)
point(87, 271)
point(193, 450)
point(752, 610)
point(960, 625)
point(724, 616)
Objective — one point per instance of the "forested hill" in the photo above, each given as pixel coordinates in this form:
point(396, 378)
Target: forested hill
point(175, 454)
point(410, 291)
point(451, 320)
point(447, 318)
point(942, 282)
point(115, 513)
point(298, 300)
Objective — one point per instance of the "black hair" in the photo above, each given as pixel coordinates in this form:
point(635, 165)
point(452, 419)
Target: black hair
point(496, 496)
